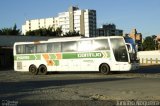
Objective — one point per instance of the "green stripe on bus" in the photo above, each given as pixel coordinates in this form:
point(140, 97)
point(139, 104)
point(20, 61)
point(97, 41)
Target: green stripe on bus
point(86, 55)
point(69, 56)
point(56, 62)
point(27, 57)
point(66, 56)
point(53, 56)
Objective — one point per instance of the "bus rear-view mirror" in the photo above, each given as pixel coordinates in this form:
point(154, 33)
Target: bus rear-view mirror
point(129, 47)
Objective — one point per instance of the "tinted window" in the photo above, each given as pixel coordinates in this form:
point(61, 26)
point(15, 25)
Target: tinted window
point(101, 44)
point(119, 49)
point(131, 41)
point(20, 49)
point(41, 48)
point(69, 46)
point(30, 48)
point(54, 47)
point(85, 45)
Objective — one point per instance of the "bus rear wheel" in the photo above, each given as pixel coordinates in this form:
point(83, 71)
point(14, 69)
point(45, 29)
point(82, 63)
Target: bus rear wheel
point(42, 70)
point(104, 68)
point(33, 70)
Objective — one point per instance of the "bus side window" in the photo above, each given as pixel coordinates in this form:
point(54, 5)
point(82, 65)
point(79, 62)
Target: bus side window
point(41, 48)
point(85, 45)
point(50, 48)
point(20, 49)
point(54, 47)
point(30, 48)
point(69, 46)
point(101, 44)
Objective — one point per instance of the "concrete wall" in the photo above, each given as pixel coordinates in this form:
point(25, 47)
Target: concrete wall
point(149, 57)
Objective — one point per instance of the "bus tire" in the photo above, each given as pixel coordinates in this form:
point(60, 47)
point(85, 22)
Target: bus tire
point(33, 70)
point(42, 70)
point(104, 68)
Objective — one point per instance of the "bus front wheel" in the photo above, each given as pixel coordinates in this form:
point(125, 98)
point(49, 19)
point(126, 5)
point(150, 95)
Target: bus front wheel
point(33, 69)
point(42, 70)
point(104, 68)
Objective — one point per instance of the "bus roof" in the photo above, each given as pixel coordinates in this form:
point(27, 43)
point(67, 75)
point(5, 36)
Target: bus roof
point(79, 38)
point(61, 39)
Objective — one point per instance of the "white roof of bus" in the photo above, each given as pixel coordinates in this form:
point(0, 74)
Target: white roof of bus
point(81, 38)
point(67, 39)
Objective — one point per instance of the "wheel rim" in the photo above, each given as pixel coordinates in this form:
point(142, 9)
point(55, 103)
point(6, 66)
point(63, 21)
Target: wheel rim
point(33, 69)
point(104, 69)
point(42, 70)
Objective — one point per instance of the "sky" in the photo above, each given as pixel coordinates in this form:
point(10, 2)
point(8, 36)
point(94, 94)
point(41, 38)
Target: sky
point(144, 15)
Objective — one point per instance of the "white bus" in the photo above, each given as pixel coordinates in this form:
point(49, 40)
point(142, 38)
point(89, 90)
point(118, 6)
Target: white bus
point(103, 54)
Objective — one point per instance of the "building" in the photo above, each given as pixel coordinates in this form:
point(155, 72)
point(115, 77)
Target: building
point(137, 38)
point(109, 30)
point(83, 21)
point(6, 48)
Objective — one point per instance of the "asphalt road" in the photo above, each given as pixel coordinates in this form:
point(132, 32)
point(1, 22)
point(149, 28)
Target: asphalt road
point(143, 84)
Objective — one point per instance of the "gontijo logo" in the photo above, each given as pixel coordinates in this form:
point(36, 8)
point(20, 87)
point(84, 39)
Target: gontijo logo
point(90, 55)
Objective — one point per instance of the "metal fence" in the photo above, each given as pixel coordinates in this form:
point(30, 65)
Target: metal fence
point(149, 57)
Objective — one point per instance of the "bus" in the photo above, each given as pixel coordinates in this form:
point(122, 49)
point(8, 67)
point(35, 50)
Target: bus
point(103, 54)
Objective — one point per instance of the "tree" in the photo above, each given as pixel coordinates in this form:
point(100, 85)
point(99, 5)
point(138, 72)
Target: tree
point(51, 32)
point(10, 31)
point(15, 31)
point(72, 34)
point(6, 31)
point(43, 32)
point(149, 43)
point(59, 31)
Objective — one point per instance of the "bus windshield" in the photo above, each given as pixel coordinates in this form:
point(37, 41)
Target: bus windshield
point(133, 54)
point(131, 41)
point(119, 49)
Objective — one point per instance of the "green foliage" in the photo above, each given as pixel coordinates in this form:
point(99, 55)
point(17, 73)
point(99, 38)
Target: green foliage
point(39, 32)
point(10, 31)
point(59, 31)
point(51, 32)
point(72, 34)
point(149, 43)
point(45, 32)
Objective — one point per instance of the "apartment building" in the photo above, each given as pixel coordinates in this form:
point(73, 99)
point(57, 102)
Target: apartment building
point(74, 19)
point(109, 30)
point(137, 38)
